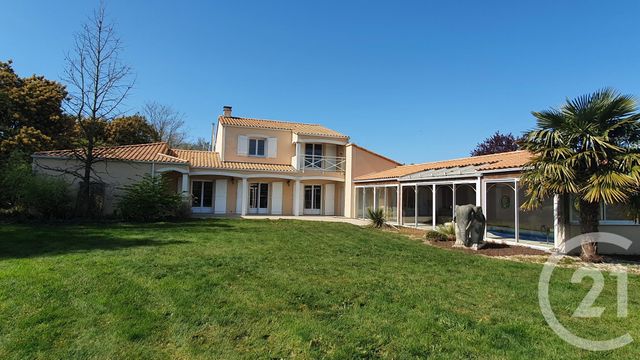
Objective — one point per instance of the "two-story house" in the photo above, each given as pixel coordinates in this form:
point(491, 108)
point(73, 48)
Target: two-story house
point(286, 168)
point(270, 167)
point(255, 166)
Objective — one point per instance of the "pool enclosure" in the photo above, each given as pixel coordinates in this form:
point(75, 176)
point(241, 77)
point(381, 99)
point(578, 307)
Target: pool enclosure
point(384, 197)
point(507, 221)
point(431, 204)
point(427, 199)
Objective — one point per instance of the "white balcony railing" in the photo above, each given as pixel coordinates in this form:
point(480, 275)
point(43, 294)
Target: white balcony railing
point(323, 163)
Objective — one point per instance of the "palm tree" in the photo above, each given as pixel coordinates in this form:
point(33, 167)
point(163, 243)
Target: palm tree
point(588, 148)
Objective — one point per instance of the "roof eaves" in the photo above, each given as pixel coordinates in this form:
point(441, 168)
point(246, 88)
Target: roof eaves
point(376, 180)
point(258, 127)
point(499, 170)
point(223, 118)
point(337, 136)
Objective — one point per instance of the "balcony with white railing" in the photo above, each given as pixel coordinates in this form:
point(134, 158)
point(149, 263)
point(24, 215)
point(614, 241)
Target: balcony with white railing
point(323, 163)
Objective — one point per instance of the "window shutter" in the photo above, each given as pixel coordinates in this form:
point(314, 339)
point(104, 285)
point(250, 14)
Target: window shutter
point(272, 147)
point(243, 145)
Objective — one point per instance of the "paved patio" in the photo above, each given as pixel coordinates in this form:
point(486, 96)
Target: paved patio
point(342, 219)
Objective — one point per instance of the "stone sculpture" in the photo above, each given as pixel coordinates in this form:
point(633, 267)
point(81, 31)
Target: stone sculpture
point(469, 225)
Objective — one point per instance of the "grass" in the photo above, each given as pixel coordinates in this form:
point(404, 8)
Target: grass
point(225, 289)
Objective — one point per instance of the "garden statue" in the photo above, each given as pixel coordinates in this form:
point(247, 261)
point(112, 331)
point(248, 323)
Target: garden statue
point(469, 225)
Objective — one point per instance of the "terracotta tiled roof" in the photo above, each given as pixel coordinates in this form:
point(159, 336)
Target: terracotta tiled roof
point(199, 158)
point(158, 152)
point(513, 159)
point(508, 160)
point(209, 159)
point(298, 128)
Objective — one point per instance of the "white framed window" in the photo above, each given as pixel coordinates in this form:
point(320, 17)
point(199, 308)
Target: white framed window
point(257, 147)
point(611, 214)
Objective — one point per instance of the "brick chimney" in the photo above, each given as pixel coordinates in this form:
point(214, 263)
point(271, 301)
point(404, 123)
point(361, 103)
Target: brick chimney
point(226, 110)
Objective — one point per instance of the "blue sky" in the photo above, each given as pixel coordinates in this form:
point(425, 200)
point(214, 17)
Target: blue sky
point(414, 80)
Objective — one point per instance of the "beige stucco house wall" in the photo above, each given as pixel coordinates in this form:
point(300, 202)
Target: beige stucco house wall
point(361, 161)
point(285, 148)
point(115, 174)
point(629, 231)
point(225, 175)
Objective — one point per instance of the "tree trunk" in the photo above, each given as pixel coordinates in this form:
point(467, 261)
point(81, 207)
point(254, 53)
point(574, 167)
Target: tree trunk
point(85, 202)
point(589, 221)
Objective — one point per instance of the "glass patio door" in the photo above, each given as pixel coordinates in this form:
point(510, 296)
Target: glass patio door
point(258, 198)
point(202, 196)
point(312, 199)
point(313, 155)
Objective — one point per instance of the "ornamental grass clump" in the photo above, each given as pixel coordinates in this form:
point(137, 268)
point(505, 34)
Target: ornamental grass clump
point(434, 235)
point(376, 217)
point(448, 230)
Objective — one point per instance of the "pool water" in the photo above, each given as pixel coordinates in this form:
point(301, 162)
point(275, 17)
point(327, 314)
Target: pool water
point(524, 234)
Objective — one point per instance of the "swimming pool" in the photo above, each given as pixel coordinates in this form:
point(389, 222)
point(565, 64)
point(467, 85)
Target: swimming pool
point(529, 235)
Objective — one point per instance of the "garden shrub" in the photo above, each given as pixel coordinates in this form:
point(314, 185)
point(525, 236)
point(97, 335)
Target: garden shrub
point(184, 210)
point(24, 193)
point(15, 173)
point(150, 199)
point(47, 197)
point(433, 235)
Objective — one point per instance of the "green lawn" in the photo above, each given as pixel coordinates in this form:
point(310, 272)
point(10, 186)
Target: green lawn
point(277, 289)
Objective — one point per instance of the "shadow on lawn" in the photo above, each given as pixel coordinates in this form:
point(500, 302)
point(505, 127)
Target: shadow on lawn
point(37, 239)
point(23, 245)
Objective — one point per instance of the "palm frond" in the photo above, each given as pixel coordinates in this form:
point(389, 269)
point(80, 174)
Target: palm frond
point(588, 147)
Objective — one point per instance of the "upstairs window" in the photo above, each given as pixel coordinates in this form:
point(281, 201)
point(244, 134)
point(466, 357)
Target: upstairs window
point(256, 147)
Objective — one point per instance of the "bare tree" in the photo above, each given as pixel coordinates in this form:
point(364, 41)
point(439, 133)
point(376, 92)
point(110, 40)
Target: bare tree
point(200, 144)
point(98, 82)
point(168, 123)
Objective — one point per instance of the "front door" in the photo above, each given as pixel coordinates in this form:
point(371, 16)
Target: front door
point(258, 198)
point(312, 199)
